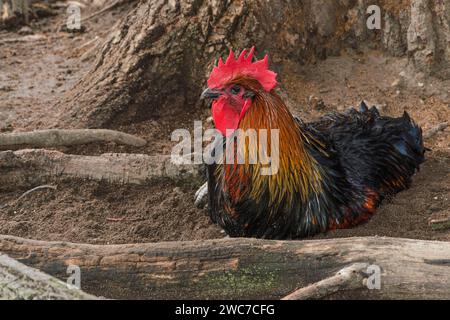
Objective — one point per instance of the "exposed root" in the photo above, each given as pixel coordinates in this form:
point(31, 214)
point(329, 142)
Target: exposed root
point(65, 137)
point(27, 168)
point(46, 186)
point(349, 278)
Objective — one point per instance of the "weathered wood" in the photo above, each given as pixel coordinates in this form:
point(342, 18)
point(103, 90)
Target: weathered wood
point(31, 167)
point(349, 278)
point(241, 268)
point(65, 137)
point(19, 282)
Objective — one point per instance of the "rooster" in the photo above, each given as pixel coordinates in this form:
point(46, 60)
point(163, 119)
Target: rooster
point(331, 174)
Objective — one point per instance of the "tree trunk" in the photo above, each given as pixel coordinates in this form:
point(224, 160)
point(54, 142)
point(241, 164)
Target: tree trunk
point(244, 268)
point(19, 282)
point(14, 12)
point(155, 61)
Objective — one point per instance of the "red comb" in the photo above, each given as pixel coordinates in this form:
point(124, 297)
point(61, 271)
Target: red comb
point(225, 72)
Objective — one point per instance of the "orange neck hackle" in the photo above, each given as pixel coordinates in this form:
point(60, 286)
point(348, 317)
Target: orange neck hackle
point(298, 172)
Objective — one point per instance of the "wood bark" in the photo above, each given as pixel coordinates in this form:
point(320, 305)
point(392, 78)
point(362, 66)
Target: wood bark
point(31, 167)
point(19, 282)
point(11, 9)
point(61, 137)
point(242, 268)
point(155, 62)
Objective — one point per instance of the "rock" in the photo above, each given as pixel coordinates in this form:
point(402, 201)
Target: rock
point(177, 191)
point(381, 107)
point(396, 83)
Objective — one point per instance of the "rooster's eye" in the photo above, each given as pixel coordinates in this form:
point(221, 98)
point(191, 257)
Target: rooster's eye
point(235, 89)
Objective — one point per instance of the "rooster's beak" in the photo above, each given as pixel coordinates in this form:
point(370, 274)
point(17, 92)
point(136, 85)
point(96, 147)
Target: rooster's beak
point(210, 94)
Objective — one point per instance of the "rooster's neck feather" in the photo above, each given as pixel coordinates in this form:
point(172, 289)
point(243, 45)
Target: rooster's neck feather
point(298, 172)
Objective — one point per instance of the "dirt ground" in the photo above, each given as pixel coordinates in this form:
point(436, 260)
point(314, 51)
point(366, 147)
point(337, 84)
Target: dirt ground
point(34, 74)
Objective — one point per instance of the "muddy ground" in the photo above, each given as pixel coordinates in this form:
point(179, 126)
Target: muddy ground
point(35, 73)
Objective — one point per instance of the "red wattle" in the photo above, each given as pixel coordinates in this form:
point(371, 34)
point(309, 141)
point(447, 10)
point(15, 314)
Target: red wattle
point(226, 118)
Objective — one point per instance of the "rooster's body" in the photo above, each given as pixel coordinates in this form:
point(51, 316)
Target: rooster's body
point(331, 174)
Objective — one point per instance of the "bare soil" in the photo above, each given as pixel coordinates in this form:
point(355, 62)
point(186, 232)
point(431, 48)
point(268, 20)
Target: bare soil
point(34, 75)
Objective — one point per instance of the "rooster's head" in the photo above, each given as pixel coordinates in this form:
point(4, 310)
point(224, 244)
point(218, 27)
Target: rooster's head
point(234, 85)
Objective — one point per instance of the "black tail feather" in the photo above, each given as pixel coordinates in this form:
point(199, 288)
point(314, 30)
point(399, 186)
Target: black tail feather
point(411, 144)
point(363, 107)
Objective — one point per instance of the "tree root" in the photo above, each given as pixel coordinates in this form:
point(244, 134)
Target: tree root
point(349, 278)
point(31, 167)
point(65, 137)
point(46, 186)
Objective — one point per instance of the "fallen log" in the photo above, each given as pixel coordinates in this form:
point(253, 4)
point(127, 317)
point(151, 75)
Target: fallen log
point(19, 282)
point(32, 167)
point(65, 137)
point(242, 268)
